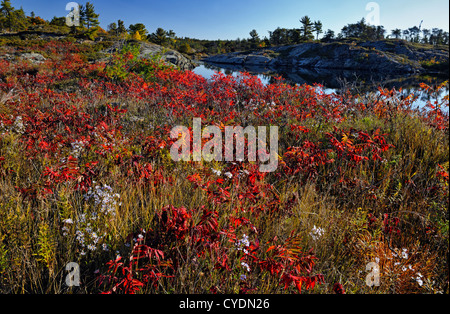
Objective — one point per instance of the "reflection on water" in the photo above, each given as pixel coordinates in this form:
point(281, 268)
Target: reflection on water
point(334, 80)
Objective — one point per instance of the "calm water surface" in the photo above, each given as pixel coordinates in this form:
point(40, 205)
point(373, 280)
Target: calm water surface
point(333, 81)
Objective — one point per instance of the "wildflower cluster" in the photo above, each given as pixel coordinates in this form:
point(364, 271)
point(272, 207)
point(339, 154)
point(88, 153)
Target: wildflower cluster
point(104, 199)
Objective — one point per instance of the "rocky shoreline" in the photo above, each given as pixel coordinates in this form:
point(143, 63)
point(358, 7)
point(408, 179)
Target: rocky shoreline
point(149, 50)
point(146, 49)
point(392, 57)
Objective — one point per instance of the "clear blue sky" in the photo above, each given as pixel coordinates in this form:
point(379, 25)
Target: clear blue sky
point(230, 19)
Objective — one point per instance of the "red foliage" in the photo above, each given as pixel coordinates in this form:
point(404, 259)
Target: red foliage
point(338, 288)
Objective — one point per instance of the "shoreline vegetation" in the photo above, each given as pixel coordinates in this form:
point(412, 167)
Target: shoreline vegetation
point(384, 57)
point(86, 178)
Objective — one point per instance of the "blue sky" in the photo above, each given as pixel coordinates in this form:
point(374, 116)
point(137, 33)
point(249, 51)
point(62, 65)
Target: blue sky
point(230, 19)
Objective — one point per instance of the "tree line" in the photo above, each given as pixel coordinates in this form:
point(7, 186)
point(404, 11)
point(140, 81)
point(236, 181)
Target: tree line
point(308, 31)
point(12, 19)
point(358, 31)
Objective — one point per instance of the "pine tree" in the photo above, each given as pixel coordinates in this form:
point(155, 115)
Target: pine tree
point(139, 27)
point(159, 37)
point(7, 15)
point(426, 33)
point(112, 28)
point(89, 15)
point(82, 12)
point(10, 18)
point(121, 29)
point(318, 29)
point(254, 38)
point(58, 21)
point(329, 35)
point(20, 19)
point(185, 48)
point(171, 38)
point(397, 33)
point(307, 28)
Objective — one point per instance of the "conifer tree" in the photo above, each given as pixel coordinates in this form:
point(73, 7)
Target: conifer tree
point(121, 29)
point(254, 38)
point(318, 28)
point(10, 18)
point(88, 15)
point(159, 37)
point(139, 27)
point(7, 15)
point(82, 12)
point(307, 28)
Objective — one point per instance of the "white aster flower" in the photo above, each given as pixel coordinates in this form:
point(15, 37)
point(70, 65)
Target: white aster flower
point(419, 279)
point(18, 125)
point(245, 266)
point(316, 233)
point(405, 253)
point(77, 148)
point(243, 243)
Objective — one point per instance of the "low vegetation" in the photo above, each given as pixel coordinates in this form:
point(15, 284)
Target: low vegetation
point(86, 177)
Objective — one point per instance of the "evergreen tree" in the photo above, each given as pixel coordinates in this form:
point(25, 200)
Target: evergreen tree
point(307, 28)
point(294, 36)
point(82, 12)
point(10, 18)
point(437, 36)
point(112, 28)
point(363, 31)
point(279, 36)
point(171, 34)
point(159, 37)
point(91, 18)
point(185, 48)
point(139, 27)
point(379, 32)
point(414, 33)
point(329, 35)
point(20, 19)
point(171, 38)
point(406, 34)
point(121, 29)
point(58, 21)
point(254, 38)
point(318, 29)
point(426, 33)
point(7, 15)
point(445, 38)
point(397, 33)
